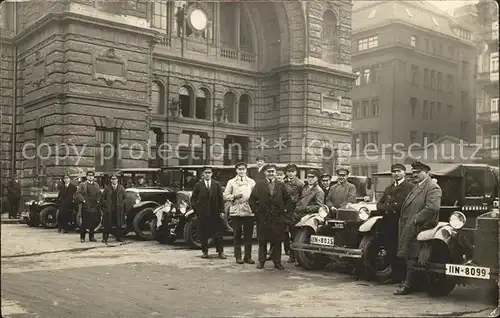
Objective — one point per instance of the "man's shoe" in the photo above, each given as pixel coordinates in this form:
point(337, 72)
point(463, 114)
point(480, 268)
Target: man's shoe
point(403, 290)
point(239, 261)
point(93, 240)
point(249, 261)
point(279, 266)
point(260, 266)
point(222, 256)
point(82, 240)
point(204, 255)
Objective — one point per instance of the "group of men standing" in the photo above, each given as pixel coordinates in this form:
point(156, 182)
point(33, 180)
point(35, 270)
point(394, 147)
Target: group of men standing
point(275, 204)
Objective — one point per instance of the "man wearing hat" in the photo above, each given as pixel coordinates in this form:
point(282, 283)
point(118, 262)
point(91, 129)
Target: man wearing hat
point(14, 196)
point(311, 199)
point(343, 192)
point(65, 202)
point(113, 210)
point(325, 183)
point(141, 181)
point(390, 203)
point(271, 203)
point(419, 212)
point(207, 201)
point(260, 173)
point(89, 194)
point(293, 186)
point(237, 193)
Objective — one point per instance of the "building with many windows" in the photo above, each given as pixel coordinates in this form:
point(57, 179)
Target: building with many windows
point(487, 124)
point(98, 81)
point(415, 81)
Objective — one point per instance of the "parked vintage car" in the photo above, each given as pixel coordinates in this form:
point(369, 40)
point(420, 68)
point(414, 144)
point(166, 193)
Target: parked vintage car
point(353, 234)
point(182, 221)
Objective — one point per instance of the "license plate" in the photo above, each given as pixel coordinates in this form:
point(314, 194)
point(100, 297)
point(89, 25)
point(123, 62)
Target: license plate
point(468, 271)
point(321, 240)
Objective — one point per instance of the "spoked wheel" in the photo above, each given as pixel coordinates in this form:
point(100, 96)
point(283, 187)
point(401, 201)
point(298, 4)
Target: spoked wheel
point(159, 235)
point(192, 233)
point(48, 217)
point(376, 259)
point(308, 260)
point(142, 224)
point(439, 285)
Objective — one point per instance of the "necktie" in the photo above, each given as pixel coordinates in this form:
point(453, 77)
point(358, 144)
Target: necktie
point(271, 187)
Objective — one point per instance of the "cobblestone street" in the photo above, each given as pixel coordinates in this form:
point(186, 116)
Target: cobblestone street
point(46, 274)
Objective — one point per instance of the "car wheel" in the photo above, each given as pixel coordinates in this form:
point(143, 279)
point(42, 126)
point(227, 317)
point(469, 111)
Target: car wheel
point(142, 224)
point(78, 221)
point(32, 223)
point(192, 233)
point(375, 258)
point(439, 285)
point(159, 235)
point(48, 217)
point(307, 260)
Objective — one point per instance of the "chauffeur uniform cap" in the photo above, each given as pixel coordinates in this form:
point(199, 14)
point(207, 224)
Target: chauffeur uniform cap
point(398, 166)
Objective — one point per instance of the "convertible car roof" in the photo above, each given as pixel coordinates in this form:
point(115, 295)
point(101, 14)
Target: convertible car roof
point(447, 169)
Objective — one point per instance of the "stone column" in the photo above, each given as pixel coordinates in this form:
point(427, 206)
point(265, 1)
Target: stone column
point(169, 149)
point(216, 150)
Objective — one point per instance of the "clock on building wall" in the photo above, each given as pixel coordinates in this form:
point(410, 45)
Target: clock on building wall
point(197, 19)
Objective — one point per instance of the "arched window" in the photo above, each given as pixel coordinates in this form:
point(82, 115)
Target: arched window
point(185, 96)
point(329, 37)
point(244, 110)
point(230, 106)
point(157, 98)
point(202, 104)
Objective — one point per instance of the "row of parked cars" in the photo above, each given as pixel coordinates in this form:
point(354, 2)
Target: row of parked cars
point(461, 249)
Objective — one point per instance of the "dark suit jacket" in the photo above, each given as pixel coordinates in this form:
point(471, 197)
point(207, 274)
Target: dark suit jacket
point(393, 197)
point(259, 175)
point(107, 205)
point(419, 212)
point(207, 202)
point(65, 197)
point(310, 201)
point(271, 210)
point(13, 190)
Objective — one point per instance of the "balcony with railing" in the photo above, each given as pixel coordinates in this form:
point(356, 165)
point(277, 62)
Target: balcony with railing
point(237, 55)
point(487, 117)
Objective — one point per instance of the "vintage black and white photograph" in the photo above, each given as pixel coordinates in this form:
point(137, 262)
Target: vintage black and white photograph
point(249, 158)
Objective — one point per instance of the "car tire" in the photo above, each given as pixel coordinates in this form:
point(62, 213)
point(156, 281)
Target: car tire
point(142, 224)
point(307, 260)
point(48, 217)
point(159, 235)
point(192, 233)
point(375, 260)
point(438, 284)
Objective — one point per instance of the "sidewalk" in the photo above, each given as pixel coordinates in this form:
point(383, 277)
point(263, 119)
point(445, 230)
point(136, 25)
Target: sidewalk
point(5, 219)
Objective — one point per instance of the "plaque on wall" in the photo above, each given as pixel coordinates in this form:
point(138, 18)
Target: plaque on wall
point(110, 67)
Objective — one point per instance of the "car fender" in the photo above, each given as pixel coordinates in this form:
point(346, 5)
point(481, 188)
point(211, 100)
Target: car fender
point(189, 213)
point(310, 220)
point(47, 204)
point(442, 232)
point(145, 204)
point(368, 224)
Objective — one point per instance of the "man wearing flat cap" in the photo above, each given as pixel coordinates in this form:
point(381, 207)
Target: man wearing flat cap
point(325, 182)
point(89, 194)
point(342, 192)
point(237, 193)
point(113, 210)
point(390, 204)
point(271, 203)
point(419, 212)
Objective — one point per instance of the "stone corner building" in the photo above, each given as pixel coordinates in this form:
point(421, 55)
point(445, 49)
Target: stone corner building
point(92, 73)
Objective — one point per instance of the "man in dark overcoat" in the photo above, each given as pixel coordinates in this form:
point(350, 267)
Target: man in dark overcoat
point(113, 210)
point(89, 194)
point(419, 212)
point(14, 197)
point(390, 204)
point(65, 202)
point(259, 174)
point(271, 203)
point(208, 203)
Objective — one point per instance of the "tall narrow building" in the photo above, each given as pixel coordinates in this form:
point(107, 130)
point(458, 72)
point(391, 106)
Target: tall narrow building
point(415, 81)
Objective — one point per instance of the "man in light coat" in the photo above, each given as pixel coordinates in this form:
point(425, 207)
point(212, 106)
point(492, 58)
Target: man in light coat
point(238, 192)
point(419, 212)
point(341, 193)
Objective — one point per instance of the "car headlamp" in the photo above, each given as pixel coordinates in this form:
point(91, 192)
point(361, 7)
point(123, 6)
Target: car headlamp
point(363, 213)
point(323, 211)
point(183, 207)
point(457, 220)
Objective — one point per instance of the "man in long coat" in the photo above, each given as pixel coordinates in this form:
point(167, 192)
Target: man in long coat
point(113, 210)
point(390, 203)
point(271, 203)
point(341, 193)
point(89, 194)
point(208, 203)
point(65, 201)
point(259, 174)
point(14, 197)
point(419, 212)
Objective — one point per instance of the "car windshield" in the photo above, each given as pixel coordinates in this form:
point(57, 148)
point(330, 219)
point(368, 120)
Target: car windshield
point(381, 183)
point(361, 184)
point(186, 178)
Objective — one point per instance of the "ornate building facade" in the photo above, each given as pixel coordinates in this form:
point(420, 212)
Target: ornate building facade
point(104, 78)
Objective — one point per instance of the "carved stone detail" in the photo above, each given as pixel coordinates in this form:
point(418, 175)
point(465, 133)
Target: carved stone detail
point(39, 70)
point(109, 67)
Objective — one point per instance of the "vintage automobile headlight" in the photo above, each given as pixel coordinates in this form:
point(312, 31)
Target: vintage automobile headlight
point(457, 220)
point(323, 211)
point(363, 214)
point(183, 207)
point(138, 199)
